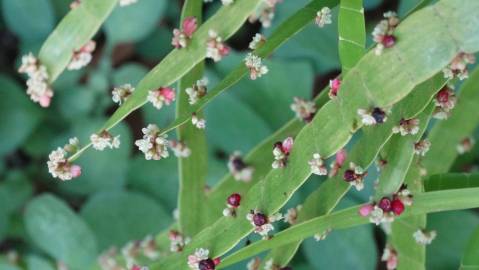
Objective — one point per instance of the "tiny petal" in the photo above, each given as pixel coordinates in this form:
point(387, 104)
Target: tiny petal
point(255, 66)
point(189, 26)
point(366, 210)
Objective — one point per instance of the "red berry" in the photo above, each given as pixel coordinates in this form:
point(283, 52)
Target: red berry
point(234, 200)
point(349, 175)
point(207, 264)
point(260, 219)
point(397, 207)
point(385, 204)
point(443, 95)
point(217, 261)
point(389, 41)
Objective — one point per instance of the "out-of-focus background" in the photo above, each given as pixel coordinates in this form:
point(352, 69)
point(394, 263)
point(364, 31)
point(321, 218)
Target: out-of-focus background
point(121, 196)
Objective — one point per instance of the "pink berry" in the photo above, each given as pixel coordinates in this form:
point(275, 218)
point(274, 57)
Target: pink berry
point(75, 170)
point(385, 204)
point(45, 101)
point(189, 26)
point(217, 261)
point(168, 93)
point(287, 145)
point(341, 157)
point(388, 41)
point(443, 95)
point(234, 200)
point(335, 84)
point(397, 206)
point(365, 210)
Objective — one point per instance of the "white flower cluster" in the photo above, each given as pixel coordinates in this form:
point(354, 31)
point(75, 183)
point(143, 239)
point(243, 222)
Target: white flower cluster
point(291, 215)
point(458, 66)
point(104, 140)
point(37, 84)
point(215, 48)
point(200, 255)
point(197, 91)
point(120, 94)
point(321, 236)
point(423, 237)
point(58, 164)
point(383, 32)
point(445, 101)
point(227, 2)
point(163, 95)
point(153, 145)
point(323, 17)
point(407, 126)
point(199, 123)
point(303, 109)
point(422, 147)
point(390, 257)
point(180, 149)
point(258, 39)
point(177, 241)
point(255, 66)
point(317, 165)
point(264, 13)
point(465, 145)
point(83, 56)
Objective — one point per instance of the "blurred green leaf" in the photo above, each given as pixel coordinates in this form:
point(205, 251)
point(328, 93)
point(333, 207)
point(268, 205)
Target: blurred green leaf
point(35, 262)
point(453, 232)
point(76, 102)
point(134, 22)
point(352, 33)
point(470, 260)
point(14, 191)
point(5, 266)
point(18, 115)
point(129, 73)
point(30, 20)
point(451, 181)
point(120, 216)
point(59, 232)
point(157, 45)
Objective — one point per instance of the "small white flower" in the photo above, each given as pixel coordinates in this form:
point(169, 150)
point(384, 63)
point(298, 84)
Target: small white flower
point(177, 241)
point(458, 66)
point(322, 236)
point(390, 257)
point(268, 265)
point(180, 149)
point(264, 13)
point(149, 246)
point(239, 169)
point(215, 48)
point(422, 147)
point(383, 32)
point(465, 145)
point(60, 167)
point(199, 255)
point(104, 140)
point(262, 223)
point(291, 215)
point(303, 109)
point(198, 91)
point(253, 264)
point(323, 17)
point(163, 95)
point(424, 238)
point(198, 122)
point(373, 116)
point(409, 126)
point(227, 2)
point(366, 118)
point(153, 145)
point(255, 66)
point(83, 56)
point(317, 165)
point(130, 252)
point(124, 3)
point(120, 94)
point(257, 40)
point(38, 87)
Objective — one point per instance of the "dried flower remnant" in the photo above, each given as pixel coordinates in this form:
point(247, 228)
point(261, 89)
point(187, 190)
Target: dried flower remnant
point(262, 223)
point(180, 149)
point(317, 165)
point(465, 145)
point(458, 66)
point(177, 241)
point(153, 145)
point(387, 208)
point(291, 215)
point(200, 260)
point(424, 237)
point(255, 66)
point(264, 13)
point(163, 95)
point(355, 176)
point(108, 260)
point(338, 163)
point(197, 91)
point(422, 147)
point(407, 126)
point(232, 203)
point(215, 47)
point(321, 236)
point(383, 32)
point(199, 123)
point(281, 151)
point(124, 3)
point(74, 4)
point(37, 84)
point(120, 94)
point(445, 101)
point(83, 56)
point(150, 248)
point(227, 2)
point(257, 41)
point(373, 116)
point(239, 169)
point(253, 264)
point(323, 17)
point(304, 110)
point(58, 164)
point(390, 257)
point(130, 252)
point(181, 37)
point(334, 88)
point(104, 140)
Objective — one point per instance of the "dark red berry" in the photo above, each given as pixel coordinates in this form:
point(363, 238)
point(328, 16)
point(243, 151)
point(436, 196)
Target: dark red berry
point(234, 200)
point(378, 115)
point(309, 118)
point(207, 264)
point(397, 206)
point(238, 163)
point(389, 41)
point(260, 219)
point(349, 175)
point(443, 95)
point(385, 204)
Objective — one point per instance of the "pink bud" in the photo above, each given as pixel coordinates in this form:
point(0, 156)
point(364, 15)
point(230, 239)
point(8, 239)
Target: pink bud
point(75, 170)
point(365, 210)
point(45, 101)
point(334, 84)
point(217, 261)
point(341, 157)
point(89, 47)
point(392, 262)
point(135, 267)
point(168, 93)
point(287, 145)
point(189, 26)
point(225, 50)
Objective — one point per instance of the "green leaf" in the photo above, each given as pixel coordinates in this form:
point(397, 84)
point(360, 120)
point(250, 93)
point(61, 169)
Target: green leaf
point(15, 108)
point(71, 35)
point(30, 20)
point(134, 22)
point(15, 190)
point(35, 262)
point(352, 33)
point(119, 216)
point(453, 233)
point(470, 260)
point(451, 181)
point(192, 170)
point(59, 232)
point(76, 102)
